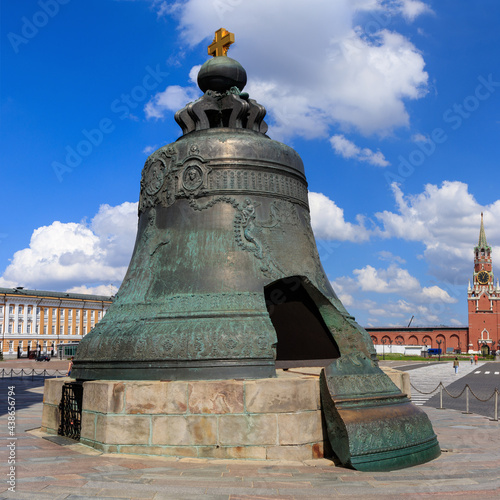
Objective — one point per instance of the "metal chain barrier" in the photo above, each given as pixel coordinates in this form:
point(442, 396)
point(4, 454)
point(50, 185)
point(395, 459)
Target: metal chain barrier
point(456, 397)
point(467, 390)
point(426, 393)
point(32, 373)
point(482, 400)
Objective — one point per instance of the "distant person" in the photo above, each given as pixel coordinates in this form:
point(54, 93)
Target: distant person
point(455, 365)
point(475, 359)
point(471, 359)
point(70, 366)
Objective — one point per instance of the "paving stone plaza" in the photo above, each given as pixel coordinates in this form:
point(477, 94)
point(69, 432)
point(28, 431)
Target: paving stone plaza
point(48, 467)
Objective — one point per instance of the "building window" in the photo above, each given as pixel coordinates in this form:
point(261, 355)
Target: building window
point(45, 329)
point(20, 310)
point(30, 310)
point(99, 315)
point(77, 330)
point(11, 309)
point(53, 329)
point(11, 346)
point(37, 327)
point(78, 314)
point(61, 330)
point(11, 326)
point(28, 327)
point(38, 311)
point(69, 329)
point(70, 313)
point(20, 327)
point(485, 335)
point(1, 309)
point(54, 313)
point(84, 331)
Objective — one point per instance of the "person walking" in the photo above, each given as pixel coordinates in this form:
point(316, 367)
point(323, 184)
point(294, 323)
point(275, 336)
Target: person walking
point(70, 366)
point(475, 359)
point(472, 360)
point(455, 365)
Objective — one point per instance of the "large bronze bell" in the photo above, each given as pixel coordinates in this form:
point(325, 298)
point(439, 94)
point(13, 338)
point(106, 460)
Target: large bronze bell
point(225, 281)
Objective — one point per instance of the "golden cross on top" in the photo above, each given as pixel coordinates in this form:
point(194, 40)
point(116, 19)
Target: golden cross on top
point(223, 39)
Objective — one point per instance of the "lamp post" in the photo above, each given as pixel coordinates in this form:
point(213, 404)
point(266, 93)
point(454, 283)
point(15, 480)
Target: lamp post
point(439, 347)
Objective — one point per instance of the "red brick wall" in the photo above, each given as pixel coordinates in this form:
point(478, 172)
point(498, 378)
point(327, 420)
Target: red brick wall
point(450, 337)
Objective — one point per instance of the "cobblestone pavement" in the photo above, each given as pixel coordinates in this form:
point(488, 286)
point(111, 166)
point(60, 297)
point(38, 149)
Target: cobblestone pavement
point(469, 465)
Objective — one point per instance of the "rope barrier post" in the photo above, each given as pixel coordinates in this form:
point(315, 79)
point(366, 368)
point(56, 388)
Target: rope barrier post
point(466, 400)
point(441, 397)
point(496, 406)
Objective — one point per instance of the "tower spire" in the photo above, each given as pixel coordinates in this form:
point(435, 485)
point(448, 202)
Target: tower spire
point(482, 235)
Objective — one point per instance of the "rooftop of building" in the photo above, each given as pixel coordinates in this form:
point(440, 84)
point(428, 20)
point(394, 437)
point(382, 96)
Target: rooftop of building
point(19, 291)
point(414, 328)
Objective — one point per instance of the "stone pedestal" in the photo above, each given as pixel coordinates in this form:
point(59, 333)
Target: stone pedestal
point(277, 418)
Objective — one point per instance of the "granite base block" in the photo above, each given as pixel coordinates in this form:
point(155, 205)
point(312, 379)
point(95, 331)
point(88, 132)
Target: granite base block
point(239, 419)
point(276, 418)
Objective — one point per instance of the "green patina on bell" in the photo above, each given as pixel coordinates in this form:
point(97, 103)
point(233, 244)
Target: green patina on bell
point(225, 262)
point(225, 281)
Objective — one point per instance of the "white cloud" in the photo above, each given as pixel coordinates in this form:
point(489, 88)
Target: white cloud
point(354, 80)
point(445, 219)
point(344, 290)
point(173, 98)
point(398, 296)
point(8, 284)
point(193, 74)
point(347, 149)
point(94, 290)
point(72, 254)
point(327, 221)
point(399, 281)
point(411, 9)
point(389, 256)
point(149, 149)
point(419, 138)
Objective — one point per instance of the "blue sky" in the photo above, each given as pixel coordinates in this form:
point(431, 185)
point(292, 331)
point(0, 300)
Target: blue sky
point(393, 106)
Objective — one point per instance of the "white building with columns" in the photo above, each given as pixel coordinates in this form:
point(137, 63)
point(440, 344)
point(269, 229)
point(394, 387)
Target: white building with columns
point(42, 320)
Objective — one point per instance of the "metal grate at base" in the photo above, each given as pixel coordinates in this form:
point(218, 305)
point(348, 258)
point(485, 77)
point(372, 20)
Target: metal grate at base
point(70, 409)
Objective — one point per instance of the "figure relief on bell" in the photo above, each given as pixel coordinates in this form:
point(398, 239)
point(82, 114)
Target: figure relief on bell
point(157, 186)
point(192, 177)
